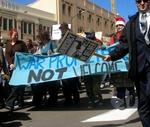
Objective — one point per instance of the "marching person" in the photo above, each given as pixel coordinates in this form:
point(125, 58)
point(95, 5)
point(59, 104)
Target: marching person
point(119, 79)
point(135, 41)
point(69, 85)
point(13, 46)
point(92, 81)
point(29, 44)
point(3, 70)
point(47, 47)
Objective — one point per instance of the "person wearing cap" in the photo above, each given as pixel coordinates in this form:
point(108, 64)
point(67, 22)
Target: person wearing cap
point(69, 85)
point(134, 40)
point(92, 81)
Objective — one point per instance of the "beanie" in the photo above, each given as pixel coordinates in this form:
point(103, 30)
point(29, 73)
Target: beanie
point(120, 20)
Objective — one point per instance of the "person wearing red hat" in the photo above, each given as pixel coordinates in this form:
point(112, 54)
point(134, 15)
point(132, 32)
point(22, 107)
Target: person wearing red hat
point(122, 85)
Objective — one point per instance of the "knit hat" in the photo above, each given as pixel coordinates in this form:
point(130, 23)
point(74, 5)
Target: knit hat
point(120, 20)
point(64, 25)
point(91, 32)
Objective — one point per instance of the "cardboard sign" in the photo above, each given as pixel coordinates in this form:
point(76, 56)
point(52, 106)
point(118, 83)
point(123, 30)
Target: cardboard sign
point(77, 47)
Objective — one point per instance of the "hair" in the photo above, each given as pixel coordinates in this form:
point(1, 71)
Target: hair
point(44, 35)
point(30, 41)
point(11, 31)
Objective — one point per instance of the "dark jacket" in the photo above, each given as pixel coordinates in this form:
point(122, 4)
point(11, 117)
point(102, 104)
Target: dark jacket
point(19, 46)
point(128, 45)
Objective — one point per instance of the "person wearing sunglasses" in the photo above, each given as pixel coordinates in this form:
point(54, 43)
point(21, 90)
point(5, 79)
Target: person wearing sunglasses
point(134, 40)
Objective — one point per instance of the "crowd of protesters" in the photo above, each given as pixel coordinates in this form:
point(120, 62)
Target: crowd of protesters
point(14, 95)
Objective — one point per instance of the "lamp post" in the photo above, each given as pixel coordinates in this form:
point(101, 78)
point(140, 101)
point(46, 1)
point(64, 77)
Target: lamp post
point(74, 17)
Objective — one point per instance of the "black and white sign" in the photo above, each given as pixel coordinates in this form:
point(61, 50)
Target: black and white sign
point(77, 47)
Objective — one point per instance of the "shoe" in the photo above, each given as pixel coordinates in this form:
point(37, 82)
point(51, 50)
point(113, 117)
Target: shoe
point(9, 108)
point(102, 86)
point(111, 86)
point(2, 106)
point(100, 100)
point(132, 100)
point(123, 104)
point(91, 105)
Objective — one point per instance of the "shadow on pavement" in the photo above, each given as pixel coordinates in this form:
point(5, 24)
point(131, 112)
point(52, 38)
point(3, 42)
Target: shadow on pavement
point(7, 118)
point(82, 106)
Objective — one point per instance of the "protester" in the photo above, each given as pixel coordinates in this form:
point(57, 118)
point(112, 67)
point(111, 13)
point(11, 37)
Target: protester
point(69, 85)
point(29, 44)
point(13, 46)
point(3, 70)
point(135, 41)
point(120, 80)
point(92, 81)
point(47, 47)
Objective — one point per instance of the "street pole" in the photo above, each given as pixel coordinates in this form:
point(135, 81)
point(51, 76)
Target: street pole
point(73, 18)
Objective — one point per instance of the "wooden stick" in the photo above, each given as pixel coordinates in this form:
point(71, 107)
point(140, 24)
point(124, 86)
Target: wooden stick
point(99, 55)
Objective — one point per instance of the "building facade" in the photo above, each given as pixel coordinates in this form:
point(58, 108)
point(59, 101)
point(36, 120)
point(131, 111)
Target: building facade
point(71, 12)
point(28, 21)
point(42, 14)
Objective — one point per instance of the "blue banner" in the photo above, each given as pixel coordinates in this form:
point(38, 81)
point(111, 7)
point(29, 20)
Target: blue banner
point(31, 69)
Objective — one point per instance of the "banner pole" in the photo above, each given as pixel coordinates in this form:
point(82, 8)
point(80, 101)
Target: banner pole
point(99, 55)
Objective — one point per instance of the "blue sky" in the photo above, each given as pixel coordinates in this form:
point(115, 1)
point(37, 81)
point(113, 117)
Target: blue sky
point(123, 7)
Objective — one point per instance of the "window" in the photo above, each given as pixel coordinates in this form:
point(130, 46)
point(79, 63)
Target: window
point(27, 28)
point(44, 27)
point(7, 24)
point(112, 26)
point(98, 21)
point(105, 24)
point(90, 17)
point(79, 15)
point(4, 23)
point(48, 29)
point(10, 24)
point(69, 11)
point(63, 8)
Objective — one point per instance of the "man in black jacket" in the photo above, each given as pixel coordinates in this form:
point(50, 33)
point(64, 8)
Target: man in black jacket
point(69, 85)
point(137, 44)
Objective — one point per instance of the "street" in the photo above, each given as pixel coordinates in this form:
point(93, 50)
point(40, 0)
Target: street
point(78, 115)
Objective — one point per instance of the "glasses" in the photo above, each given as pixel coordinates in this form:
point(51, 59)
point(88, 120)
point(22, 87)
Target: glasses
point(139, 1)
point(119, 25)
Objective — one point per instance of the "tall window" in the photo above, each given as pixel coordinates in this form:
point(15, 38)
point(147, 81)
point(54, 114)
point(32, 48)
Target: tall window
point(63, 8)
point(7, 24)
point(98, 21)
point(90, 17)
point(44, 27)
point(27, 28)
point(48, 29)
point(4, 23)
point(79, 15)
point(10, 24)
point(105, 24)
point(69, 11)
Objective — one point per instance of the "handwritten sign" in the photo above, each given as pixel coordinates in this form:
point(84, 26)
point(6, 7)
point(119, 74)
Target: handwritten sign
point(77, 47)
point(35, 68)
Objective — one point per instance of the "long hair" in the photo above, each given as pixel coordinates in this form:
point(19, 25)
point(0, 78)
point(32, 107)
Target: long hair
point(44, 35)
